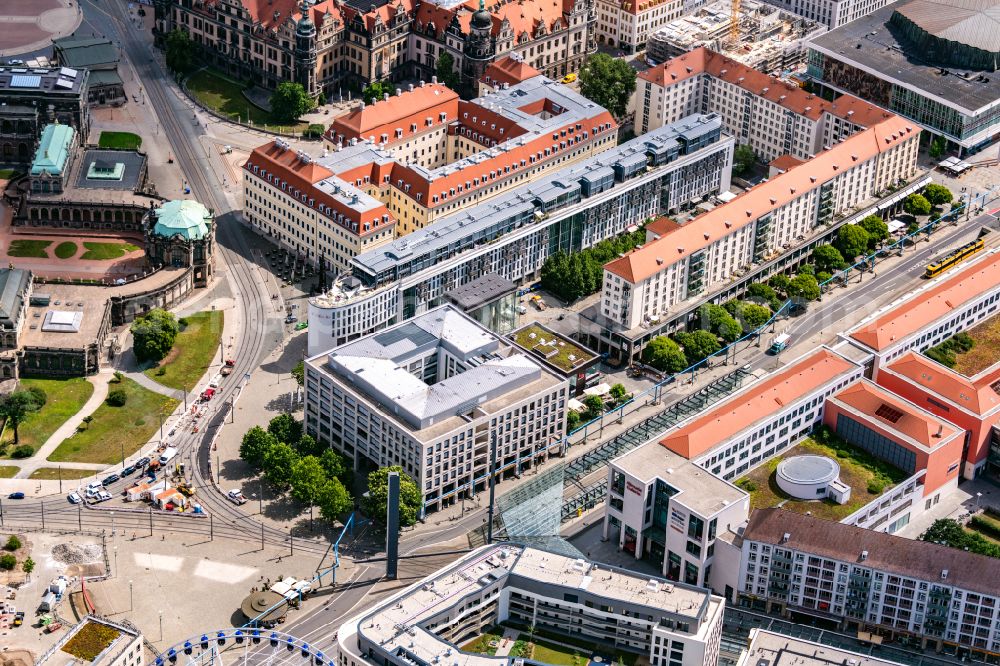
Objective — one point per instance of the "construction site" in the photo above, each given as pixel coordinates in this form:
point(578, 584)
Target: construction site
point(754, 33)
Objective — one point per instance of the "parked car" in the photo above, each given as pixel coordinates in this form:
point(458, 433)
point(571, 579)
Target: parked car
point(291, 319)
point(15, 496)
point(18, 618)
point(142, 462)
point(236, 496)
point(108, 480)
point(102, 496)
point(128, 471)
point(74, 498)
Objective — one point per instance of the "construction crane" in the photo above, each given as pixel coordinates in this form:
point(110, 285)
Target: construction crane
point(734, 24)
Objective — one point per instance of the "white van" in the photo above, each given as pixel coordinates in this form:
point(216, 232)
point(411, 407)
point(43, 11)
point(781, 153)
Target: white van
point(168, 455)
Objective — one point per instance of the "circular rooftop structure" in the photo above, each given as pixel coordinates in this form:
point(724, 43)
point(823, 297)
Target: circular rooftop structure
point(182, 217)
point(807, 477)
point(957, 33)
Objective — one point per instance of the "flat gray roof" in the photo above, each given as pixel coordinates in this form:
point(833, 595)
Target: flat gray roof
point(449, 231)
point(480, 291)
point(867, 44)
point(767, 648)
point(131, 160)
point(29, 80)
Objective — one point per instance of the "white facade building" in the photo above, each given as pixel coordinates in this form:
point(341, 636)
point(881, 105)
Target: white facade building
point(832, 13)
point(670, 624)
point(668, 511)
point(872, 581)
point(428, 395)
point(627, 24)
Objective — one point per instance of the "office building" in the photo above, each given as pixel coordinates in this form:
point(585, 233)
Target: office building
point(668, 624)
point(861, 580)
point(412, 158)
point(664, 509)
point(511, 235)
point(491, 300)
point(628, 25)
point(770, 39)
point(831, 13)
point(328, 46)
point(432, 395)
point(931, 61)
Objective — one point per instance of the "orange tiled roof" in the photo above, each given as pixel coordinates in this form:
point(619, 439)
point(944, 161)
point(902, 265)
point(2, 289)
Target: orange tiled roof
point(705, 61)
point(522, 16)
point(929, 305)
point(915, 423)
point(301, 176)
point(400, 111)
point(762, 199)
point(510, 71)
point(272, 13)
point(785, 162)
point(762, 399)
point(974, 394)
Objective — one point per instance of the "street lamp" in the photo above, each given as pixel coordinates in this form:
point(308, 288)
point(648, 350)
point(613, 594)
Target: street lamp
point(130, 607)
point(161, 625)
point(116, 561)
point(979, 496)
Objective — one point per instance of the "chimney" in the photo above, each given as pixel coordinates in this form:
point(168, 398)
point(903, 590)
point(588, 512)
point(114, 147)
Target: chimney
point(940, 430)
point(409, 87)
point(785, 537)
point(434, 79)
point(421, 83)
point(864, 555)
point(362, 107)
point(385, 96)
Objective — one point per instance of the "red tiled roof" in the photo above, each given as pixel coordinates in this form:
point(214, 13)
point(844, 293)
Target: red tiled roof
point(301, 176)
point(788, 95)
point(928, 305)
point(762, 199)
point(523, 16)
point(974, 394)
point(785, 162)
point(510, 71)
point(763, 398)
point(411, 107)
point(913, 422)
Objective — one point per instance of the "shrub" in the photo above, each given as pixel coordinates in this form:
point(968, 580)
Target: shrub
point(7, 562)
point(182, 321)
point(117, 398)
point(23, 451)
point(117, 378)
point(988, 526)
point(748, 485)
point(876, 486)
point(314, 131)
point(39, 394)
point(13, 543)
point(160, 371)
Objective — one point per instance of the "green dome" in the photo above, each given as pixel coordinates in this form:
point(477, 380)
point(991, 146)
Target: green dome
point(184, 217)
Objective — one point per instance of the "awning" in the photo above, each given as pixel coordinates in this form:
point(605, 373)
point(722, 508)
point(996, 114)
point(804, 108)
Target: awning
point(260, 602)
point(600, 389)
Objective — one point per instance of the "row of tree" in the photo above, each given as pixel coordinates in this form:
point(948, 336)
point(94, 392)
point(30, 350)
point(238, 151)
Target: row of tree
point(573, 276)
point(596, 405)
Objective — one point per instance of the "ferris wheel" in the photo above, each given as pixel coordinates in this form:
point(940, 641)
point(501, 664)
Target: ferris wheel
point(243, 647)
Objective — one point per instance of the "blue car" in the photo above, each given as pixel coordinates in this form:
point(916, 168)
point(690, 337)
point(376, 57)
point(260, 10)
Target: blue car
point(15, 496)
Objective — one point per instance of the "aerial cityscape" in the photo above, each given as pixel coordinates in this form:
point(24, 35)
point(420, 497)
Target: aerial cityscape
point(499, 332)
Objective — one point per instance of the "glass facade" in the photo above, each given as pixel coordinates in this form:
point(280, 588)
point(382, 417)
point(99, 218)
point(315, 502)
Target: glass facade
point(876, 444)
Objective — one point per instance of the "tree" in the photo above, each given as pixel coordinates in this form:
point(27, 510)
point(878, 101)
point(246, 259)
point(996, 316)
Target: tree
point(744, 158)
point(278, 462)
point(88, 419)
point(307, 446)
point(698, 345)
point(375, 502)
point(13, 543)
point(664, 354)
point(729, 329)
point(445, 70)
point(333, 500)
point(594, 405)
point(256, 443)
point(608, 81)
point(28, 566)
point(153, 335)
point(804, 286)
point(851, 241)
point(299, 373)
point(39, 394)
point(828, 258)
point(376, 91)
point(333, 465)
point(308, 479)
point(753, 316)
point(764, 293)
point(289, 101)
point(117, 397)
point(15, 407)
point(179, 51)
point(937, 148)
point(917, 204)
point(285, 428)
point(619, 393)
point(572, 420)
point(876, 229)
point(938, 195)
point(7, 562)
point(779, 282)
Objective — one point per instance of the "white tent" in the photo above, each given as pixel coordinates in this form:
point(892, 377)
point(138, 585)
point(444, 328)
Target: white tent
point(600, 389)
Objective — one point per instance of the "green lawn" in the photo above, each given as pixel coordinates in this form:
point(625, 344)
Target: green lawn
point(225, 96)
point(117, 429)
point(54, 474)
point(192, 353)
point(8, 471)
point(66, 250)
point(120, 140)
point(857, 469)
point(550, 653)
point(28, 248)
point(7, 174)
point(64, 398)
point(104, 251)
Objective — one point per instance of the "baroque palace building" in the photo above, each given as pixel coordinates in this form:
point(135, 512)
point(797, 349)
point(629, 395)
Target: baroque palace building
point(328, 44)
